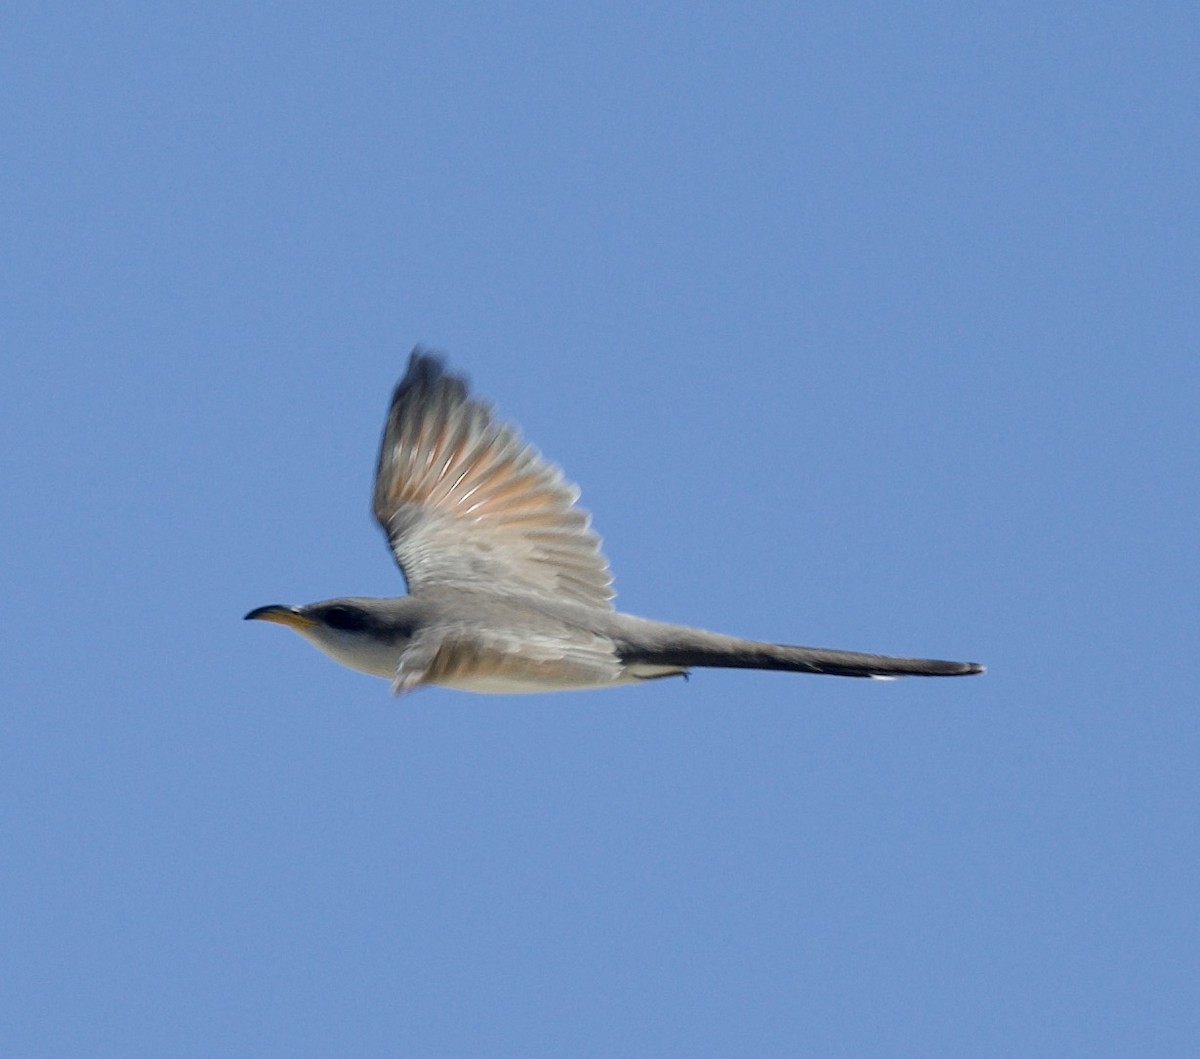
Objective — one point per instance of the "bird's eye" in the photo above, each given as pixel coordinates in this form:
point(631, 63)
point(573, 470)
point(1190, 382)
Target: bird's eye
point(346, 618)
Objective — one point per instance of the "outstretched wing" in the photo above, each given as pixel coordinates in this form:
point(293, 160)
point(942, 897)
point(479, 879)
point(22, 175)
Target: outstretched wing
point(466, 503)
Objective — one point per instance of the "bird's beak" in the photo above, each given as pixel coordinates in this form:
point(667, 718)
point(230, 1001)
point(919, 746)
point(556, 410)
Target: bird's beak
point(282, 615)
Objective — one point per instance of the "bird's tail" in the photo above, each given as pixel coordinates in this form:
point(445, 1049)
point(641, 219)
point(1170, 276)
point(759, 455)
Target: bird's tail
point(687, 648)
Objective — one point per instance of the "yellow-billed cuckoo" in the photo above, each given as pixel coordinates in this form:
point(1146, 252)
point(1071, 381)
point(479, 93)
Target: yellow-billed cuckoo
point(508, 590)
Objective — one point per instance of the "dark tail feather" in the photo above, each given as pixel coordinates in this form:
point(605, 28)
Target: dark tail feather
point(695, 648)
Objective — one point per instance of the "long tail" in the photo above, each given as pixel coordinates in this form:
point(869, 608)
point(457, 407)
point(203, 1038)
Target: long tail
point(674, 645)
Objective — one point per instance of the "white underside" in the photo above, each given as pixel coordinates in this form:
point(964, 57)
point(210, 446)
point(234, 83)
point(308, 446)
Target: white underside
point(380, 660)
point(497, 685)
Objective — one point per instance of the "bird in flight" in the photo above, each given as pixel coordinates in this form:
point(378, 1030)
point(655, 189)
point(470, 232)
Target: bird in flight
point(508, 589)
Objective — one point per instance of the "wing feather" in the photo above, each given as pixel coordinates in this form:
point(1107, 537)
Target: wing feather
point(466, 503)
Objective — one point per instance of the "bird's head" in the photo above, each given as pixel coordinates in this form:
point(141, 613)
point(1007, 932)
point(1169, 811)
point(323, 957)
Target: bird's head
point(364, 634)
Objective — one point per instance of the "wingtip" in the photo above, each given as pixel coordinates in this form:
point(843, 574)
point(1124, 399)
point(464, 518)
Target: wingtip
point(424, 363)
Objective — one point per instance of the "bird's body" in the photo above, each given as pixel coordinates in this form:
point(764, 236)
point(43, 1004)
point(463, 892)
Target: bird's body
point(476, 642)
point(508, 590)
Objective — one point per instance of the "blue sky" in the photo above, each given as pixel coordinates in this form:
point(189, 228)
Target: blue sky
point(859, 325)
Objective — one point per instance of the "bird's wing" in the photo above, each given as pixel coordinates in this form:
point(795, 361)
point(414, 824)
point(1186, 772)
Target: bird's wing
point(465, 503)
